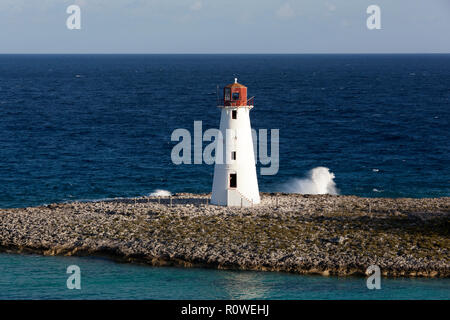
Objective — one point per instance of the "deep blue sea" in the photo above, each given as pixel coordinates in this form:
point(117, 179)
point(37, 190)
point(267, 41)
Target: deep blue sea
point(79, 127)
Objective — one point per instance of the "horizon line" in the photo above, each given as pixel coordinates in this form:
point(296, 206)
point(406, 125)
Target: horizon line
point(205, 53)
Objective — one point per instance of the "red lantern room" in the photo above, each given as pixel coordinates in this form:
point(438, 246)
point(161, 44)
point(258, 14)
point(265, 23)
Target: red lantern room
point(235, 95)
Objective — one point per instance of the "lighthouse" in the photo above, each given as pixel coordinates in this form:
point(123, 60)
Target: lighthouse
point(235, 182)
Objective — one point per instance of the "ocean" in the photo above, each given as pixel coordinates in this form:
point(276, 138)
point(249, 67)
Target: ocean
point(38, 277)
point(87, 127)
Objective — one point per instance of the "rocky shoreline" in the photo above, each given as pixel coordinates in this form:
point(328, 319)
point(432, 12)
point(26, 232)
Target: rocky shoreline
point(315, 234)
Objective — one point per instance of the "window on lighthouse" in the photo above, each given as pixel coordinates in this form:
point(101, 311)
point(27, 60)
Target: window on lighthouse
point(235, 95)
point(233, 180)
point(227, 94)
point(233, 155)
point(234, 114)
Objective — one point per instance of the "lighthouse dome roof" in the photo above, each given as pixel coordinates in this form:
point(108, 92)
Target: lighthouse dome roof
point(235, 85)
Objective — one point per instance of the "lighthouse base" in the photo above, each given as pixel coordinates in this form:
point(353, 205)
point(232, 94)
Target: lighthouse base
point(233, 198)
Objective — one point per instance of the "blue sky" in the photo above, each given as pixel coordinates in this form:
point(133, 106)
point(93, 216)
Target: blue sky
point(216, 26)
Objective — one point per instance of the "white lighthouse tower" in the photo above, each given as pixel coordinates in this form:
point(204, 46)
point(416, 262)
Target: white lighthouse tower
point(235, 182)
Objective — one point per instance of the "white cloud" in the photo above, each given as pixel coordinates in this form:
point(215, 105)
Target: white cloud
point(330, 6)
point(197, 5)
point(285, 11)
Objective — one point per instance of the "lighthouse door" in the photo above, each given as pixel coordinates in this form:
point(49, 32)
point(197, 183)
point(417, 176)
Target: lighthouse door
point(233, 180)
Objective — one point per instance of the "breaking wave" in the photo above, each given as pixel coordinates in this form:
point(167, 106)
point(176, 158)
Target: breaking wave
point(160, 193)
point(318, 181)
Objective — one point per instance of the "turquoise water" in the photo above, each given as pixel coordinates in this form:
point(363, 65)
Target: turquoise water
point(39, 277)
